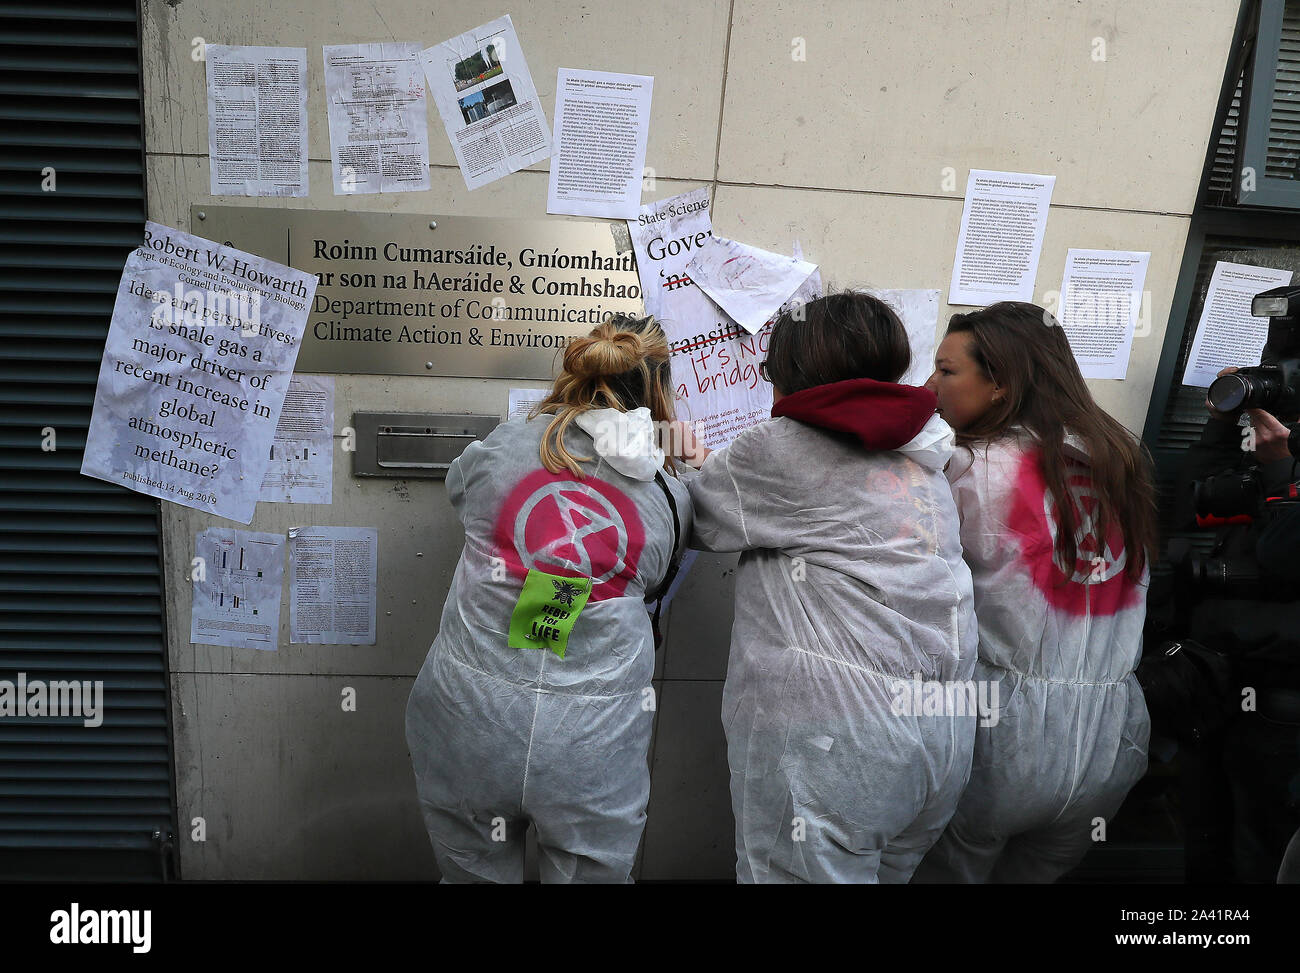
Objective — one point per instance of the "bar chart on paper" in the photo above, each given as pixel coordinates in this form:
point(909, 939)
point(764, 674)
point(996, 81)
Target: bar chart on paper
point(237, 576)
point(301, 467)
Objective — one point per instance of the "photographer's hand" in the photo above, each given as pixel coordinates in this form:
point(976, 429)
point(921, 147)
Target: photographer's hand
point(1215, 413)
point(1270, 437)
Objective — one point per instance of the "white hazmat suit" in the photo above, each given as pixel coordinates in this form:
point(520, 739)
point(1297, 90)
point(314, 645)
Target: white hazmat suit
point(502, 736)
point(851, 585)
point(1071, 736)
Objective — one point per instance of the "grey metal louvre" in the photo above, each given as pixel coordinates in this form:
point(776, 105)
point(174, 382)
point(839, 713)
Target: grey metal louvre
point(81, 595)
point(1221, 187)
point(1267, 143)
point(1282, 156)
point(1259, 140)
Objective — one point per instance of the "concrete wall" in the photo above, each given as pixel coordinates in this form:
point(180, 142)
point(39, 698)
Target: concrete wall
point(846, 151)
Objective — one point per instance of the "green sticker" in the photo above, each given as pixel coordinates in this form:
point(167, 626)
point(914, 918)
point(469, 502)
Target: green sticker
point(546, 611)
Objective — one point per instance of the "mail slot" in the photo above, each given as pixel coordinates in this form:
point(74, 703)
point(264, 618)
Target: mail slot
point(413, 444)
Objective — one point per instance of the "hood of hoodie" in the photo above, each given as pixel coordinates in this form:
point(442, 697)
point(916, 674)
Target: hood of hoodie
point(881, 415)
point(625, 440)
point(933, 446)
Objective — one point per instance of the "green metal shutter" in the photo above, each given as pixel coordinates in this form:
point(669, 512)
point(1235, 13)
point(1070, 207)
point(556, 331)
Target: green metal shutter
point(80, 582)
point(1282, 155)
point(1222, 229)
point(1185, 414)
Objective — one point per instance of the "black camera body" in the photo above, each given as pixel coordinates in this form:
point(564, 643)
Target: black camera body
point(1239, 497)
point(1273, 384)
point(1271, 387)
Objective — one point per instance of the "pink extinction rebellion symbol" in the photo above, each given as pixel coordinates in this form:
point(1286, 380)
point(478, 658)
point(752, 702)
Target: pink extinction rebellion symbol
point(1098, 582)
point(577, 529)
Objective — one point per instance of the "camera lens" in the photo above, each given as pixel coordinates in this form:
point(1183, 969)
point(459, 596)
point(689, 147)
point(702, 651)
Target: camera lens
point(1228, 393)
point(1258, 387)
point(1228, 494)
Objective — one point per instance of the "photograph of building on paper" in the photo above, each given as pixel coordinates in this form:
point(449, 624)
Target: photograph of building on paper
point(480, 66)
point(488, 101)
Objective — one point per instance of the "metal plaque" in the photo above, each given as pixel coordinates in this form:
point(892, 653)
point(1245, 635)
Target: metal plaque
point(400, 294)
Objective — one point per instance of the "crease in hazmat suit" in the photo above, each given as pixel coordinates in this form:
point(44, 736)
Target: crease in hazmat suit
point(499, 736)
point(850, 592)
point(1071, 735)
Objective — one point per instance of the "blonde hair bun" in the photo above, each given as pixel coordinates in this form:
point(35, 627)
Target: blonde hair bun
point(606, 352)
point(623, 363)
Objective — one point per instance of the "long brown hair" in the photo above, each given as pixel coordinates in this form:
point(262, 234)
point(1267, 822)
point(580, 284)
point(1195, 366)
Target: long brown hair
point(622, 364)
point(1024, 349)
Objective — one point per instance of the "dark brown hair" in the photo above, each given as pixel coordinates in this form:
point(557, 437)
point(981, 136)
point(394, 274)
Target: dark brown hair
point(1024, 349)
point(622, 364)
point(836, 338)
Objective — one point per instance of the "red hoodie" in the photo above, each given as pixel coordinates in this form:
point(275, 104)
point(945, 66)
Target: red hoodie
point(880, 414)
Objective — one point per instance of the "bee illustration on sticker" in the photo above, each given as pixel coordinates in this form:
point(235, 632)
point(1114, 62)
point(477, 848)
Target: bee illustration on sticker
point(565, 592)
